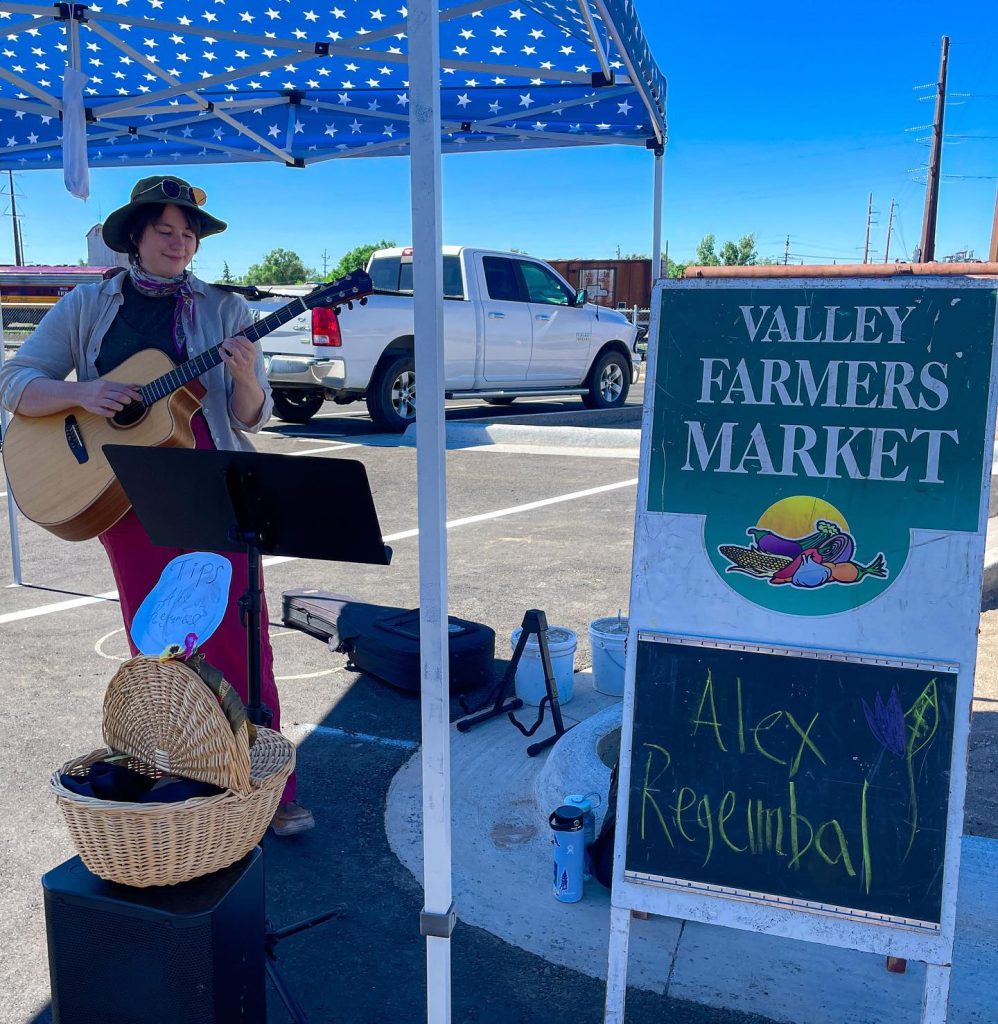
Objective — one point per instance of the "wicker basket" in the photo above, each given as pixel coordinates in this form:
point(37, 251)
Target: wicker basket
point(164, 844)
point(160, 712)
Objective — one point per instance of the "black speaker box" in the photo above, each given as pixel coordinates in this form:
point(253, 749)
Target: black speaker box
point(191, 953)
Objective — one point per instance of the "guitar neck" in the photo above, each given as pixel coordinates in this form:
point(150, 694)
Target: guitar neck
point(186, 372)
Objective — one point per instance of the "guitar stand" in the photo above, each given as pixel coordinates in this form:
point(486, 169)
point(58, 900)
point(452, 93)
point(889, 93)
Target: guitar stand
point(534, 623)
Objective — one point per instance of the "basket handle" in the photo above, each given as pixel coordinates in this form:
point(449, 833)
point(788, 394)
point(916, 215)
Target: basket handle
point(230, 701)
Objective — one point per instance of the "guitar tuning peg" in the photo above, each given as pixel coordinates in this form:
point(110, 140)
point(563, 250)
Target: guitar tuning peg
point(349, 304)
point(363, 301)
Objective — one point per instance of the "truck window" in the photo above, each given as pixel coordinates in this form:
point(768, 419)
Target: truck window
point(394, 274)
point(500, 279)
point(543, 286)
point(384, 273)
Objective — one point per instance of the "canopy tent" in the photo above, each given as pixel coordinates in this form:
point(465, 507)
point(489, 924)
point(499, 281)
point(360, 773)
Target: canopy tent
point(275, 80)
point(188, 83)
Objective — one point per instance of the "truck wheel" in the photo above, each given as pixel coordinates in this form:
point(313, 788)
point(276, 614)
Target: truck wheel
point(608, 382)
point(391, 398)
point(297, 406)
point(500, 401)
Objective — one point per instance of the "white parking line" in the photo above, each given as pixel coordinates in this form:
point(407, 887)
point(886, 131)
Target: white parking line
point(530, 506)
point(498, 514)
point(328, 448)
point(59, 606)
point(302, 731)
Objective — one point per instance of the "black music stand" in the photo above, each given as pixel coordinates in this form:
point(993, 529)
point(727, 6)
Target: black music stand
point(248, 501)
point(260, 504)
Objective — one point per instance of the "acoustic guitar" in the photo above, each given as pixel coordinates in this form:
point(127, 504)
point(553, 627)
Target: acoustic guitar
point(56, 468)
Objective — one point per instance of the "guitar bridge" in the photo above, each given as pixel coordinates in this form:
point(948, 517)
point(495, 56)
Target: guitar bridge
point(74, 438)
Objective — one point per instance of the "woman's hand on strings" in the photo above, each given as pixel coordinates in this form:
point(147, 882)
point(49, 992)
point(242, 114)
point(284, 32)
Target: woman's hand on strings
point(239, 355)
point(107, 397)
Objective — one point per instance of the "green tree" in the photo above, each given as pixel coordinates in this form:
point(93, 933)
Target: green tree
point(280, 266)
point(676, 269)
point(705, 254)
point(357, 257)
point(226, 277)
point(739, 254)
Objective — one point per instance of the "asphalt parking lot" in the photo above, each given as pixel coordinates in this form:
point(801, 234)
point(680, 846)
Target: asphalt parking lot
point(537, 527)
point(61, 639)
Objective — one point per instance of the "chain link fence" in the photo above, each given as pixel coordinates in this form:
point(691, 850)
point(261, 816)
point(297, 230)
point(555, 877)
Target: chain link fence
point(641, 318)
point(19, 321)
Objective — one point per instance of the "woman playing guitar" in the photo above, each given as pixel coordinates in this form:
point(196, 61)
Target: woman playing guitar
point(158, 303)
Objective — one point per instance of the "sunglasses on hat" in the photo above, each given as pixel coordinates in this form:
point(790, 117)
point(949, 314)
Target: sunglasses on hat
point(175, 190)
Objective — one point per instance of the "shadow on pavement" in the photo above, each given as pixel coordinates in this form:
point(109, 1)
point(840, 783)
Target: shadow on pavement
point(368, 964)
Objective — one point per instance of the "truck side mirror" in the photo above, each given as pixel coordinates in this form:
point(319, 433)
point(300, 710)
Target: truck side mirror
point(580, 297)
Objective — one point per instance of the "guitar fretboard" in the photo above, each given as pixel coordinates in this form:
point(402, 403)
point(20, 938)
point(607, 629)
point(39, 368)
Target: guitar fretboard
point(186, 372)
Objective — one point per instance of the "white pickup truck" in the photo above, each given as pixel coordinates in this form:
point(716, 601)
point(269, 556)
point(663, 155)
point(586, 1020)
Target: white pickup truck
point(513, 328)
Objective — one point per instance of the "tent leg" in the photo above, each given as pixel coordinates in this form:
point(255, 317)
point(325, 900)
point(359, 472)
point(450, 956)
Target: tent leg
point(15, 542)
point(656, 242)
point(427, 236)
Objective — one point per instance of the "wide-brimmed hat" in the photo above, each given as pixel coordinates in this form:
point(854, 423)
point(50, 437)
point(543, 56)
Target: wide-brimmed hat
point(161, 189)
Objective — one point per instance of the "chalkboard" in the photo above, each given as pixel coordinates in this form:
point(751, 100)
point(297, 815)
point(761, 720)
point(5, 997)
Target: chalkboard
point(791, 777)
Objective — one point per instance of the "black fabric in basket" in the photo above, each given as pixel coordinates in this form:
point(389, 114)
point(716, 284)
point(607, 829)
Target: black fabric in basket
point(107, 780)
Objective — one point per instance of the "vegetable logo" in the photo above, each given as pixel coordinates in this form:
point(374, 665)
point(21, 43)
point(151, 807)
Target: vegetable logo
point(790, 547)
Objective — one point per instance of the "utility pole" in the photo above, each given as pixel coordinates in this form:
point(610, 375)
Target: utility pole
point(993, 251)
point(928, 245)
point(325, 263)
point(18, 250)
point(869, 216)
point(786, 252)
point(890, 224)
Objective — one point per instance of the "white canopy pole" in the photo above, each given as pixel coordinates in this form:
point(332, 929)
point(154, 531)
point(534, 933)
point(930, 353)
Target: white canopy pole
point(656, 244)
point(436, 921)
point(15, 543)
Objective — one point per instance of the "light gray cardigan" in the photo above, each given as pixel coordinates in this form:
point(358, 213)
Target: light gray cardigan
point(70, 334)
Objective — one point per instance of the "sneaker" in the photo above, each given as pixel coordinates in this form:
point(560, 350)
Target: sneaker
point(291, 818)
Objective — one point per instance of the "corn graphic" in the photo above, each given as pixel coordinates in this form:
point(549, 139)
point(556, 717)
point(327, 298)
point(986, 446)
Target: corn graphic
point(753, 561)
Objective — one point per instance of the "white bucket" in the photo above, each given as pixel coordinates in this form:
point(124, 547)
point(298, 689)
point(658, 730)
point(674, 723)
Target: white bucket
point(608, 641)
point(529, 677)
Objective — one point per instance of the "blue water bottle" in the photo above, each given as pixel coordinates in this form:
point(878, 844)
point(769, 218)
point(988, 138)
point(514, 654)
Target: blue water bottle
point(586, 804)
point(568, 840)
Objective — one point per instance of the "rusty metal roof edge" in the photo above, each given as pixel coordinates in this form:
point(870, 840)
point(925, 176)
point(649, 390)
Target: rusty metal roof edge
point(850, 270)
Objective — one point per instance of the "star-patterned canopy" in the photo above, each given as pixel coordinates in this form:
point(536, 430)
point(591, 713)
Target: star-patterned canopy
point(297, 81)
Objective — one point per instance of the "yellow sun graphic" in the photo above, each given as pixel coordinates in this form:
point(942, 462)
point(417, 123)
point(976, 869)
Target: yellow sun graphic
point(796, 516)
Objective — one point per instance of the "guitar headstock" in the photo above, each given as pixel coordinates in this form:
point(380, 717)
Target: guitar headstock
point(356, 285)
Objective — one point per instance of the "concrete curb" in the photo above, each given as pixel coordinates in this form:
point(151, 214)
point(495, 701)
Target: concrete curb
point(461, 434)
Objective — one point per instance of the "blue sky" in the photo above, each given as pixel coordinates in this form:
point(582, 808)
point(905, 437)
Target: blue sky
point(782, 119)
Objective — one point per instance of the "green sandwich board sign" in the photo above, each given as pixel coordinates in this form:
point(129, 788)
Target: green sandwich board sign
point(808, 557)
point(814, 417)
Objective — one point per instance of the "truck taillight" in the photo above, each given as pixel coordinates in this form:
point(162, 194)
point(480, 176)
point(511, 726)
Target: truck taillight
point(325, 327)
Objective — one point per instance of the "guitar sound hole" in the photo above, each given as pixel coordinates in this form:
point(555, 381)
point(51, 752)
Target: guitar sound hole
point(130, 415)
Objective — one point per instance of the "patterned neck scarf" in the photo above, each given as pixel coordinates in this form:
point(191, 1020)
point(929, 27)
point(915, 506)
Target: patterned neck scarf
point(159, 287)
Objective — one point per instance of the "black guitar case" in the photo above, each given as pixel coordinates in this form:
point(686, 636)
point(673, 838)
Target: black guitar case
point(384, 641)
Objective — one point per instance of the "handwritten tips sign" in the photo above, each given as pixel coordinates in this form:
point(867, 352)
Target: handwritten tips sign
point(791, 777)
point(797, 420)
point(190, 598)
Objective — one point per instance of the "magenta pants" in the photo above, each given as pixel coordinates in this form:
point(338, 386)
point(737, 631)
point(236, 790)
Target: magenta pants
point(137, 564)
